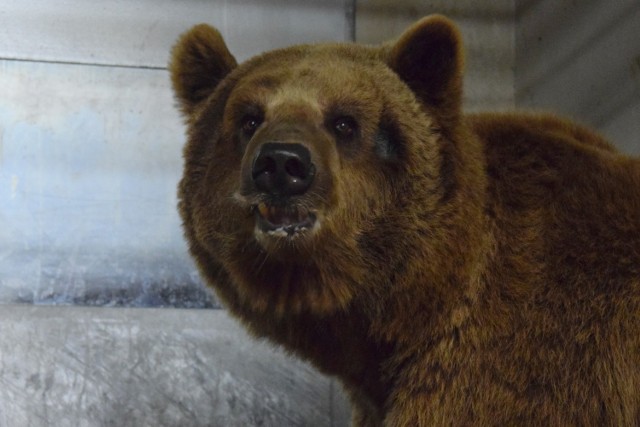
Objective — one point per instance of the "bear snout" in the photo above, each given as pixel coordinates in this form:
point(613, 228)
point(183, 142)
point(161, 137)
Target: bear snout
point(283, 169)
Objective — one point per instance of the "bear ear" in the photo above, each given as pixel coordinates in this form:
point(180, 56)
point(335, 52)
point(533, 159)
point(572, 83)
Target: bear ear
point(428, 57)
point(199, 61)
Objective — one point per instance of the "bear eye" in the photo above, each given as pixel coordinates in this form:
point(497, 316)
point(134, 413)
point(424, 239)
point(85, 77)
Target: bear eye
point(345, 127)
point(250, 124)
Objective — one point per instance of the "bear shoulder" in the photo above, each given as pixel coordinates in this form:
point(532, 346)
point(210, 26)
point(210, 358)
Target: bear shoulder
point(566, 185)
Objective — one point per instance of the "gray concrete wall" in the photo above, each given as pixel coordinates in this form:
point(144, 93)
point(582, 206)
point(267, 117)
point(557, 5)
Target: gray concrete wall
point(582, 59)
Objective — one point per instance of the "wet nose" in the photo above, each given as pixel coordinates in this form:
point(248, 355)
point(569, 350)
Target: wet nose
point(282, 169)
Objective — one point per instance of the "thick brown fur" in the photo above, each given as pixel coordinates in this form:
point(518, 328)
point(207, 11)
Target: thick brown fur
point(464, 269)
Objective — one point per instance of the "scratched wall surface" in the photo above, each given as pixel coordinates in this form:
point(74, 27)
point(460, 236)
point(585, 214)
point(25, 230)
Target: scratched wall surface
point(90, 367)
point(90, 142)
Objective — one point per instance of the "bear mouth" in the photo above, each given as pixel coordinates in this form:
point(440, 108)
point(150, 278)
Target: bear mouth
point(283, 221)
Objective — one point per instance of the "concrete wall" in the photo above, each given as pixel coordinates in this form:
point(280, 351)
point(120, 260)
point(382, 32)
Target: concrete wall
point(582, 59)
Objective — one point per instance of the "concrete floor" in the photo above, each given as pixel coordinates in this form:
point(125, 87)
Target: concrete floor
point(75, 366)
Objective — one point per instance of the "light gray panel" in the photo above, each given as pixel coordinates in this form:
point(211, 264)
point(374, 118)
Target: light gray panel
point(76, 367)
point(89, 162)
point(141, 32)
point(581, 59)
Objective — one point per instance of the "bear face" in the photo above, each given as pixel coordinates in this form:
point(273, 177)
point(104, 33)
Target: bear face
point(301, 152)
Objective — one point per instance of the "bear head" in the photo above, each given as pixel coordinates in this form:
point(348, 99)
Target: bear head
point(306, 167)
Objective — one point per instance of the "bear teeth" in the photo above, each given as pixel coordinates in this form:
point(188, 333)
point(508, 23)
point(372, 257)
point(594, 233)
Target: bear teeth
point(283, 221)
point(263, 209)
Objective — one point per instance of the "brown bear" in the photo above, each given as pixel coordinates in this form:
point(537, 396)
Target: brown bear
point(449, 269)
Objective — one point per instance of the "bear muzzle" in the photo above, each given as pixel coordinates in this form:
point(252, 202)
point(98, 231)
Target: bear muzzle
point(280, 173)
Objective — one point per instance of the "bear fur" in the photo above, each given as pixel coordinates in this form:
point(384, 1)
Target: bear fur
point(449, 269)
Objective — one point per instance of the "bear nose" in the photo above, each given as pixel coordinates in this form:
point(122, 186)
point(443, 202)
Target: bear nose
point(283, 169)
